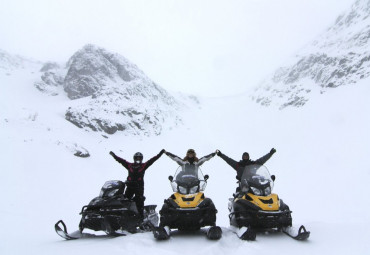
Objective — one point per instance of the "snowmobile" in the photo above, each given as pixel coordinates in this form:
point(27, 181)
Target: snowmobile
point(112, 213)
point(187, 209)
point(255, 208)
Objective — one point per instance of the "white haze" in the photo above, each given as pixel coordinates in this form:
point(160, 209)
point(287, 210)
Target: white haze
point(209, 48)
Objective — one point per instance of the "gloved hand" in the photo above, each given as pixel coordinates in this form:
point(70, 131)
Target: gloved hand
point(161, 152)
point(112, 153)
point(218, 152)
point(272, 151)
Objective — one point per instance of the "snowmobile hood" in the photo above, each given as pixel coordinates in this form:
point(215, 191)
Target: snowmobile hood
point(265, 203)
point(188, 201)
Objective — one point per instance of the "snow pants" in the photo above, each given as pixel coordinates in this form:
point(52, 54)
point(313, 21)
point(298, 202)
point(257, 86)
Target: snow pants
point(136, 189)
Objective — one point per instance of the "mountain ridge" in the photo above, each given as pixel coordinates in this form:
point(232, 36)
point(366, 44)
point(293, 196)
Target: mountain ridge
point(339, 56)
point(107, 93)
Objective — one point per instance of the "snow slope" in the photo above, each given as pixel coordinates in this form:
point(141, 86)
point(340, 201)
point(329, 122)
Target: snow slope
point(322, 168)
point(338, 57)
point(110, 94)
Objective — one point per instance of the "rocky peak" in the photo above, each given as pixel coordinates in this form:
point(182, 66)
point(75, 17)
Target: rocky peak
point(92, 68)
point(111, 94)
point(339, 56)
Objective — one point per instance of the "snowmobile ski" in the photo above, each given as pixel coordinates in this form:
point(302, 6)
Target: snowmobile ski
point(113, 213)
point(161, 233)
point(249, 235)
point(255, 208)
point(62, 232)
point(214, 233)
point(302, 234)
point(244, 233)
point(187, 209)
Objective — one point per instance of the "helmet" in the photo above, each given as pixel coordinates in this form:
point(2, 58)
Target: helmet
point(138, 157)
point(245, 155)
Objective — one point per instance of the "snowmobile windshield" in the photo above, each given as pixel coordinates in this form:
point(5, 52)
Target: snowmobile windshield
point(256, 179)
point(112, 188)
point(188, 179)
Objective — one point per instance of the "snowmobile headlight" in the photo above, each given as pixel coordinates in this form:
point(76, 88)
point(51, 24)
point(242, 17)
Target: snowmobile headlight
point(182, 190)
point(256, 191)
point(268, 191)
point(193, 190)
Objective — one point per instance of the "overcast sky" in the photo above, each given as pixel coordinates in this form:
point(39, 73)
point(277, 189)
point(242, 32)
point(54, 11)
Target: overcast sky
point(203, 47)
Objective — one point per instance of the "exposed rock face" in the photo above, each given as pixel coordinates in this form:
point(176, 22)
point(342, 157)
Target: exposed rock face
point(340, 56)
point(110, 94)
point(51, 79)
point(93, 68)
point(133, 111)
point(49, 66)
point(74, 148)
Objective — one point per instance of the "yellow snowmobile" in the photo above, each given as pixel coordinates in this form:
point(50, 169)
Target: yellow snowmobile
point(188, 208)
point(255, 208)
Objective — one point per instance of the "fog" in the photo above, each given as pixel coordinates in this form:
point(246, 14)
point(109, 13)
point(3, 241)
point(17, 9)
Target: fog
point(206, 48)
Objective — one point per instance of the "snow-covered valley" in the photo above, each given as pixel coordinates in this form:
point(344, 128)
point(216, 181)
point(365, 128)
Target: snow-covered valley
point(321, 166)
point(58, 123)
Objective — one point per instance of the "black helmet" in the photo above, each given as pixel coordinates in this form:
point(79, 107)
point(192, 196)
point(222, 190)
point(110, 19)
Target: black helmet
point(138, 157)
point(245, 155)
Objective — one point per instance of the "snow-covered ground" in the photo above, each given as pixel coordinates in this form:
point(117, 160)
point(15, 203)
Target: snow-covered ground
point(322, 168)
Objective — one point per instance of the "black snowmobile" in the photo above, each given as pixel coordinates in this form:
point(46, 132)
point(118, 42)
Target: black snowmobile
point(187, 209)
point(255, 208)
point(112, 213)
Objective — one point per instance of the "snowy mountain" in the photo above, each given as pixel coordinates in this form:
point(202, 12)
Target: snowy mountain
point(111, 94)
point(9, 62)
point(339, 56)
point(321, 164)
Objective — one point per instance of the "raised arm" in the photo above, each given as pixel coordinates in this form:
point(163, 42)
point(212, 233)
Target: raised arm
point(231, 162)
point(120, 160)
point(153, 159)
point(176, 158)
point(262, 160)
point(205, 158)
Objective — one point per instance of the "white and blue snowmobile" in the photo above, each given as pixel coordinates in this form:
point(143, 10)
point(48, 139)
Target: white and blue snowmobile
point(187, 209)
point(255, 208)
point(112, 213)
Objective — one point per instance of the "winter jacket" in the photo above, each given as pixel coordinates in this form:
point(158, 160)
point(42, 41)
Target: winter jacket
point(136, 171)
point(182, 162)
point(239, 166)
point(190, 167)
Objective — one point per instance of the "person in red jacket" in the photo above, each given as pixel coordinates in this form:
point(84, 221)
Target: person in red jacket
point(135, 178)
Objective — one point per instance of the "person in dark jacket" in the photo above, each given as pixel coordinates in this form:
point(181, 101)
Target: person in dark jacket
point(239, 166)
point(190, 163)
point(135, 178)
